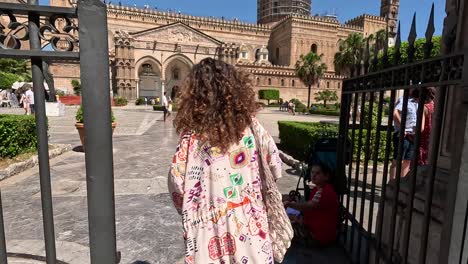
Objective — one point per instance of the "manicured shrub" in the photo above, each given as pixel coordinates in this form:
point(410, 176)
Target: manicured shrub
point(59, 92)
point(381, 149)
point(76, 87)
point(160, 108)
point(324, 112)
point(269, 94)
point(140, 101)
point(120, 101)
point(79, 116)
point(297, 137)
point(17, 134)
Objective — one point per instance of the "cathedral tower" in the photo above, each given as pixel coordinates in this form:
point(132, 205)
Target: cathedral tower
point(269, 11)
point(389, 8)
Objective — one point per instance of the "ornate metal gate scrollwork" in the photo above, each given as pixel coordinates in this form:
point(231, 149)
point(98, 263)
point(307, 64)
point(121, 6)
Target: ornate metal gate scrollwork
point(27, 31)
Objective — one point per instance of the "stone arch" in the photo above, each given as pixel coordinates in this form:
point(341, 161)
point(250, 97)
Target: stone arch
point(148, 73)
point(176, 57)
point(175, 69)
point(148, 59)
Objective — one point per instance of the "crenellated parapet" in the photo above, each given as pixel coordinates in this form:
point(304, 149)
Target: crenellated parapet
point(144, 14)
point(359, 20)
point(307, 21)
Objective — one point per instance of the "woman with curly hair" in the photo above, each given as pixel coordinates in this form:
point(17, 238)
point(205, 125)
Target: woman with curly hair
point(214, 179)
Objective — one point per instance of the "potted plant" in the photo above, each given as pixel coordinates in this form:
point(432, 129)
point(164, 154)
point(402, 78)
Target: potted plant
point(80, 124)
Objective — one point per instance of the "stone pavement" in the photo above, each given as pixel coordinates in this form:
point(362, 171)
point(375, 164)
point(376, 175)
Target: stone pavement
point(148, 227)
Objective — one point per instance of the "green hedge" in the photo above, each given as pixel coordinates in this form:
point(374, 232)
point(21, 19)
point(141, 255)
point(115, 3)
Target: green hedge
point(160, 108)
point(140, 101)
point(269, 94)
point(297, 137)
point(325, 112)
point(120, 101)
point(382, 145)
point(17, 134)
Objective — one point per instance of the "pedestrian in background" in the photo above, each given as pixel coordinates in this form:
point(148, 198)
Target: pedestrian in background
point(30, 96)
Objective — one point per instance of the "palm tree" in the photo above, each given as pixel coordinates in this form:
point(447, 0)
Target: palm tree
point(349, 53)
point(381, 38)
point(309, 69)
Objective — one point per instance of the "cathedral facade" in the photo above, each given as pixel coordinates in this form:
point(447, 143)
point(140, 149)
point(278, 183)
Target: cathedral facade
point(152, 51)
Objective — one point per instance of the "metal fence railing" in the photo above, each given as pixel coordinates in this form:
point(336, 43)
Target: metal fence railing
point(382, 199)
point(57, 27)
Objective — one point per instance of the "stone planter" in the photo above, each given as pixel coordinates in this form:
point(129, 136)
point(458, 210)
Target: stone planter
point(81, 131)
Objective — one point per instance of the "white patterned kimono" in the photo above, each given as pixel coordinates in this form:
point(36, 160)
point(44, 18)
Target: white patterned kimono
point(220, 200)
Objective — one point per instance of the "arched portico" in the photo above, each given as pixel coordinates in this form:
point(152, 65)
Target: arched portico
point(176, 68)
point(148, 77)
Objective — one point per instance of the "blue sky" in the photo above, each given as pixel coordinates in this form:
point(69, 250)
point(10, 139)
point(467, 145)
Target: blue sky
point(246, 10)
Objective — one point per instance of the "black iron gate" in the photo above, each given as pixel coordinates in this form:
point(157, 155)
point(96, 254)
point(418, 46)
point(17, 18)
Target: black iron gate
point(57, 27)
point(380, 202)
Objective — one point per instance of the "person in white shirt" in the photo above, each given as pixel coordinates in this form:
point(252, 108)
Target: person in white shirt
point(30, 96)
point(165, 105)
point(409, 150)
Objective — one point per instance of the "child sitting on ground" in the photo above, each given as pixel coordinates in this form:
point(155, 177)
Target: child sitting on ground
point(320, 212)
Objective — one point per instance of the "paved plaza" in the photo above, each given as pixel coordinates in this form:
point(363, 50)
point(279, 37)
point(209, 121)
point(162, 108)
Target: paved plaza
point(148, 227)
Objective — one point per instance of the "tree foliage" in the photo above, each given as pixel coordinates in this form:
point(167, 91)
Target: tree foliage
point(8, 79)
point(326, 96)
point(350, 51)
point(310, 69)
point(76, 87)
point(269, 94)
point(18, 67)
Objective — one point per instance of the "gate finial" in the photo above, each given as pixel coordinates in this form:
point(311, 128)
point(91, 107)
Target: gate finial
point(397, 54)
point(429, 33)
point(411, 39)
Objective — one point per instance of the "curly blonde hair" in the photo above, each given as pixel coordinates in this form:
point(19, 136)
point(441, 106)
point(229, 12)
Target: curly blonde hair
point(216, 102)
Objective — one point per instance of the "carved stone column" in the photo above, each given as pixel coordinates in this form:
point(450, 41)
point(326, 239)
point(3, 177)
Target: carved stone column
point(125, 66)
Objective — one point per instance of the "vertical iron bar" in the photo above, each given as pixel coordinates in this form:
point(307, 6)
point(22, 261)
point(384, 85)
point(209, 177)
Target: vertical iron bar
point(367, 57)
point(464, 234)
point(398, 169)
point(388, 151)
point(350, 167)
point(374, 166)
point(342, 141)
point(358, 163)
point(94, 56)
point(413, 175)
point(364, 173)
point(43, 147)
point(433, 155)
point(3, 251)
